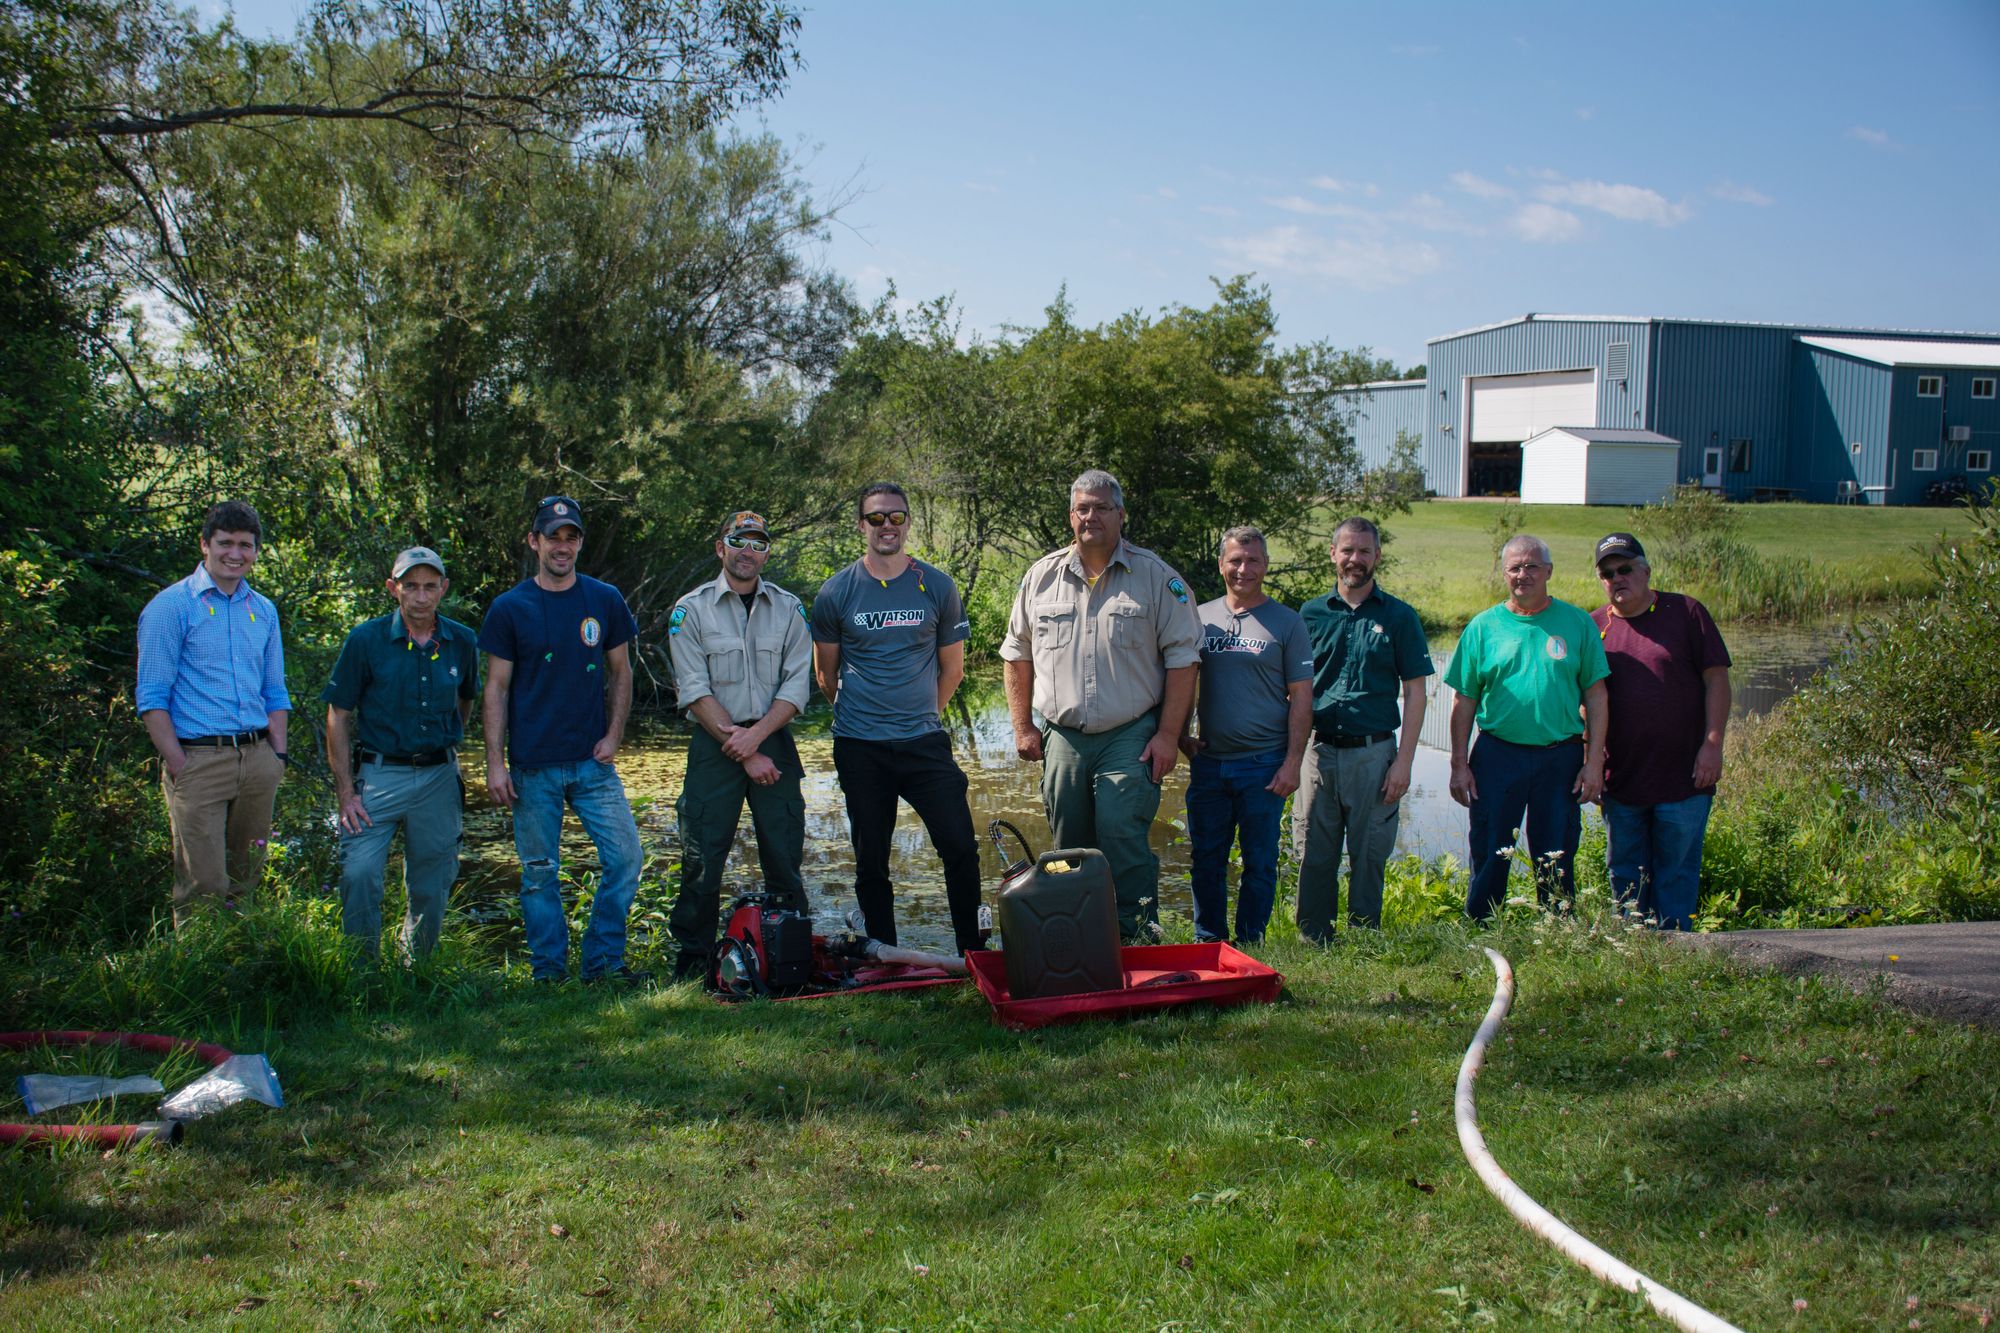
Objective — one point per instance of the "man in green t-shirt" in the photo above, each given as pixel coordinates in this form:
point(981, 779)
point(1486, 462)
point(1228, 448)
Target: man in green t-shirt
point(1531, 672)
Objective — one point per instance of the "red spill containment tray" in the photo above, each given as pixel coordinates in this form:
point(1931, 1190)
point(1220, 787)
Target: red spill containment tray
point(1221, 976)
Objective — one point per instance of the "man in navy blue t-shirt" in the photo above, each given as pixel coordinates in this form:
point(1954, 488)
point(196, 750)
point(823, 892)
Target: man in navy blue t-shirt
point(558, 691)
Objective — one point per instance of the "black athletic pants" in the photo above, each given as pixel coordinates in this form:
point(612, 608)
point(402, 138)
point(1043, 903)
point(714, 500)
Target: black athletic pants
point(873, 775)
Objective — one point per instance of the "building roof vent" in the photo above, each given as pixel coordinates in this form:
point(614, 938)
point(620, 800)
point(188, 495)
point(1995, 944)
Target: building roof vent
point(1958, 434)
point(1617, 361)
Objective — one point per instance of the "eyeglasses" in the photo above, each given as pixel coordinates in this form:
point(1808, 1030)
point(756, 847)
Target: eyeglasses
point(1516, 571)
point(1606, 573)
point(758, 544)
point(895, 518)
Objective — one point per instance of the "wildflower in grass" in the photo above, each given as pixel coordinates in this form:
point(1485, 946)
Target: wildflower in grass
point(921, 1270)
point(1799, 1304)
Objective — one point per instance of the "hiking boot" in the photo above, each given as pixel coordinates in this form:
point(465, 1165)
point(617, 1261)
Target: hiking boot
point(620, 975)
point(691, 967)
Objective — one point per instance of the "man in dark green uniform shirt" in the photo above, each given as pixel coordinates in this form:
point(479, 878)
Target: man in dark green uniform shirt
point(1368, 652)
point(395, 713)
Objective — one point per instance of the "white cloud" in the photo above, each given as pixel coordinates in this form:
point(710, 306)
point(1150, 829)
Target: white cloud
point(1545, 224)
point(1218, 211)
point(981, 187)
point(1295, 203)
point(1629, 203)
point(1740, 194)
point(1880, 138)
point(1167, 192)
point(1368, 263)
point(1586, 113)
point(1479, 187)
point(1339, 186)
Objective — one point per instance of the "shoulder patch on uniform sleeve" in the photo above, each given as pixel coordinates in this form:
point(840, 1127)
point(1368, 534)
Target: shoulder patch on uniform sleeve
point(677, 619)
point(1178, 589)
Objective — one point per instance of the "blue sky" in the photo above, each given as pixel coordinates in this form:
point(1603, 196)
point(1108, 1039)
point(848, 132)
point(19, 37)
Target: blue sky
point(1395, 172)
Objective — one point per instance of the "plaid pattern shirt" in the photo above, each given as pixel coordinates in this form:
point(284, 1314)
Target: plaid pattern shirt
point(216, 664)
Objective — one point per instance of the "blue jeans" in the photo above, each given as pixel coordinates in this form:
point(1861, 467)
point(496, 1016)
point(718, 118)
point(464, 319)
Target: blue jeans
point(1655, 856)
point(1227, 803)
point(429, 805)
point(1520, 784)
point(598, 797)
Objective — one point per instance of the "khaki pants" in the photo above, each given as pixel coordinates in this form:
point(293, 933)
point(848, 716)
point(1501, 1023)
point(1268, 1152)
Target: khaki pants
point(220, 811)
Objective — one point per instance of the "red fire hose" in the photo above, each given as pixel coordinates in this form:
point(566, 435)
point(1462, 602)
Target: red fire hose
point(105, 1136)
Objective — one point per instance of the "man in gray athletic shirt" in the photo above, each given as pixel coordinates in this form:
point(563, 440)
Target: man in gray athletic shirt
point(888, 650)
point(1255, 706)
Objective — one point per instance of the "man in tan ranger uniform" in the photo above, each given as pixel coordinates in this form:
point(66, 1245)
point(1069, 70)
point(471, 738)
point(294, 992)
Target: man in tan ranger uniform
point(742, 655)
point(1104, 643)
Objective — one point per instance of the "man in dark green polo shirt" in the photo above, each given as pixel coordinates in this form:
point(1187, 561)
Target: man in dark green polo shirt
point(1368, 652)
point(396, 710)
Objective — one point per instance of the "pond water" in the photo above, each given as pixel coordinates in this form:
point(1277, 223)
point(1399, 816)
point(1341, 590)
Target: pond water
point(1770, 665)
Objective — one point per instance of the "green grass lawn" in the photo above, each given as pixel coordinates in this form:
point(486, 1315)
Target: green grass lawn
point(528, 1159)
point(1441, 553)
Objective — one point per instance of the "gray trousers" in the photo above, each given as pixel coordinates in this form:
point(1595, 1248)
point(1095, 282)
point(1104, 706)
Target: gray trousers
point(1339, 801)
point(429, 805)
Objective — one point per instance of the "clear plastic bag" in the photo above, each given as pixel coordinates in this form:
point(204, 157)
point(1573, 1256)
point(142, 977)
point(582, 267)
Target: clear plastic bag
point(237, 1079)
point(45, 1092)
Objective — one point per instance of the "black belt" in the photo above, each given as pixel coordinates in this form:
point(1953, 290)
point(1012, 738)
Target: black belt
point(1340, 742)
point(235, 741)
point(428, 759)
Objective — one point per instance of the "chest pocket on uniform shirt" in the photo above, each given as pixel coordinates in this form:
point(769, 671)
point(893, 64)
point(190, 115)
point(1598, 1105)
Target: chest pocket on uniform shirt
point(1378, 650)
point(1055, 624)
point(770, 660)
point(725, 661)
point(1128, 623)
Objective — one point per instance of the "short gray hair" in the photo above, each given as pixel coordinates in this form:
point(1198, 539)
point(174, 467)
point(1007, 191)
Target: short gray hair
point(1522, 541)
point(1358, 524)
point(1242, 536)
point(1097, 479)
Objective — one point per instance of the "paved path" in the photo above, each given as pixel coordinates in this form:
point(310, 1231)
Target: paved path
point(1950, 971)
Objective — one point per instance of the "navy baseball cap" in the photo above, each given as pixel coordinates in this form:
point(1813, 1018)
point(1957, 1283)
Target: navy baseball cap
point(558, 511)
point(1619, 543)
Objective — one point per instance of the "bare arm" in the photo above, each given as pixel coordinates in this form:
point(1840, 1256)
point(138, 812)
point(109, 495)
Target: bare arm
point(277, 721)
point(1298, 732)
point(1164, 750)
point(826, 669)
point(1397, 780)
point(160, 731)
point(1464, 708)
point(1596, 716)
point(618, 698)
point(353, 813)
point(951, 672)
point(1020, 678)
point(499, 680)
point(1715, 709)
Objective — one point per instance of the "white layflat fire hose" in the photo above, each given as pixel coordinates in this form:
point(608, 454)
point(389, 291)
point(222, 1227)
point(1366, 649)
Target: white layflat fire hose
point(1672, 1305)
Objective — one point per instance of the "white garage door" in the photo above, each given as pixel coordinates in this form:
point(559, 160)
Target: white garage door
point(1507, 409)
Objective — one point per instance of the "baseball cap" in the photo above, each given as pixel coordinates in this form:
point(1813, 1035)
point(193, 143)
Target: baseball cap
point(416, 555)
point(557, 511)
point(1618, 543)
point(743, 522)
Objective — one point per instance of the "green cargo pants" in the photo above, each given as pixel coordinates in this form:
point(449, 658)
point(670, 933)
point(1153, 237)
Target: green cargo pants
point(1099, 793)
point(711, 802)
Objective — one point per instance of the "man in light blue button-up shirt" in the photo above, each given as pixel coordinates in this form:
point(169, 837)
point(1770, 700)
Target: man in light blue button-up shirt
point(211, 692)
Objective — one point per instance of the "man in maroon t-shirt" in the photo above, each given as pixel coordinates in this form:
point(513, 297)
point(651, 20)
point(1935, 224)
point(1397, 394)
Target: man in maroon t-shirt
point(1669, 696)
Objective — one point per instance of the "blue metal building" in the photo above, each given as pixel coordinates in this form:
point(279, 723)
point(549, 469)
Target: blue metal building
point(1760, 410)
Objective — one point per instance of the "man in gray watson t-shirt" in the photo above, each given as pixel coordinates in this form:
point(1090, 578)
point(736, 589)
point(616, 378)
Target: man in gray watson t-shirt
point(1255, 713)
point(888, 650)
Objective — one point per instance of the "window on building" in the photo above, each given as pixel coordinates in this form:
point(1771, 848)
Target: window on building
point(1930, 386)
point(1979, 460)
point(1983, 387)
point(1923, 460)
point(1855, 449)
point(1739, 455)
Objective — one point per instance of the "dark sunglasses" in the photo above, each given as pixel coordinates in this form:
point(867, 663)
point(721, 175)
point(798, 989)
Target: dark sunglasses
point(895, 518)
point(1606, 572)
point(759, 544)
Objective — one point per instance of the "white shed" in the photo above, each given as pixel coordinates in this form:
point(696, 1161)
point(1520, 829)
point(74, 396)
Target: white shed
point(1595, 465)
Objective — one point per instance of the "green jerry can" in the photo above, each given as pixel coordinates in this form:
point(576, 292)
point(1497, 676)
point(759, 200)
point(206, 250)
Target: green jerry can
point(1059, 924)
